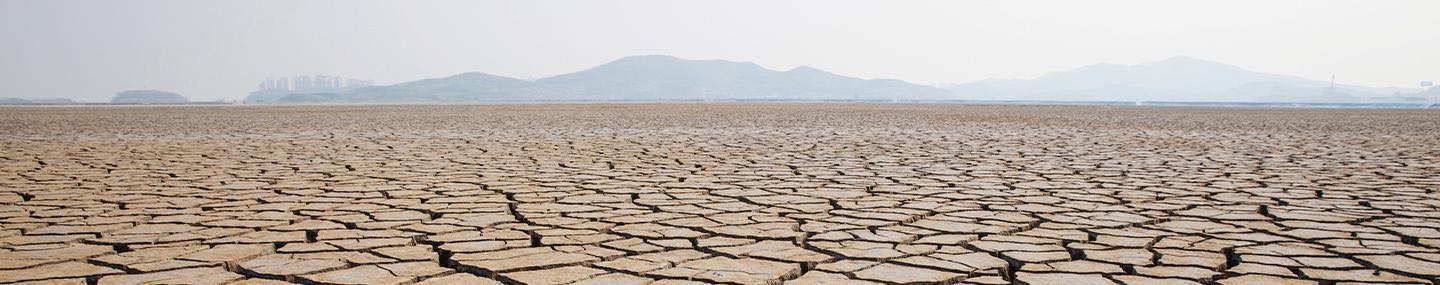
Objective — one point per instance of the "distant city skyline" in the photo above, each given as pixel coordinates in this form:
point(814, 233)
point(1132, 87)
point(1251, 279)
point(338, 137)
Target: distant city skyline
point(209, 50)
point(307, 83)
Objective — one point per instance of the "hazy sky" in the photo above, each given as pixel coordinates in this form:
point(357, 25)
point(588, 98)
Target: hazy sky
point(88, 50)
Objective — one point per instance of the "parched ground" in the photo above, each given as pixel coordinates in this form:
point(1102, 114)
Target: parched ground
point(730, 194)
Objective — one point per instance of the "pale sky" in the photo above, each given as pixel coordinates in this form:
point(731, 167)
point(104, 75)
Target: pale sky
point(206, 50)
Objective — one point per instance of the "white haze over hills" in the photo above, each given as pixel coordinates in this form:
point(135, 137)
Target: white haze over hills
point(1175, 79)
point(667, 78)
point(88, 50)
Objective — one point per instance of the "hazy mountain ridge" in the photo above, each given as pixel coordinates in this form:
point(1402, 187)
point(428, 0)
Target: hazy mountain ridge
point(1174, 79)
point(666, 78)
point(639, 78)
point(24, 101)
point(148, 97)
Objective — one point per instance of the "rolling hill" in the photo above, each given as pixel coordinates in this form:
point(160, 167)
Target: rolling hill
point(1174, 79)
point(638, 78)
point(666, 78)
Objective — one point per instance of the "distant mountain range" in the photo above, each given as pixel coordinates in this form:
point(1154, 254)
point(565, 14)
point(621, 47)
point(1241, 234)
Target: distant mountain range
point(1174, 79)
point(23, 101)
point(128, 97)
point(148, 97)
point(666, 78)
point(636, 78)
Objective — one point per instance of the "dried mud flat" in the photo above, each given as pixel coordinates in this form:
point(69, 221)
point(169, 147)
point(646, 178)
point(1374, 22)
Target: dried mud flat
point(728, 194)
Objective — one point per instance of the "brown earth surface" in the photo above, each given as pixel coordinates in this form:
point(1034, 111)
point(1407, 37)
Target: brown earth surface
point(731, 194)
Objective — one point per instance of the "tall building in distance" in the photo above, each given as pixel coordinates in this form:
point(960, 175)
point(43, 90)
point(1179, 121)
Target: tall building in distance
point(275, 88)
point(317, 83)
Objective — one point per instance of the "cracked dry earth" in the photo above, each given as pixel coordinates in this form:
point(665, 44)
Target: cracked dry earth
point(718, 194)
